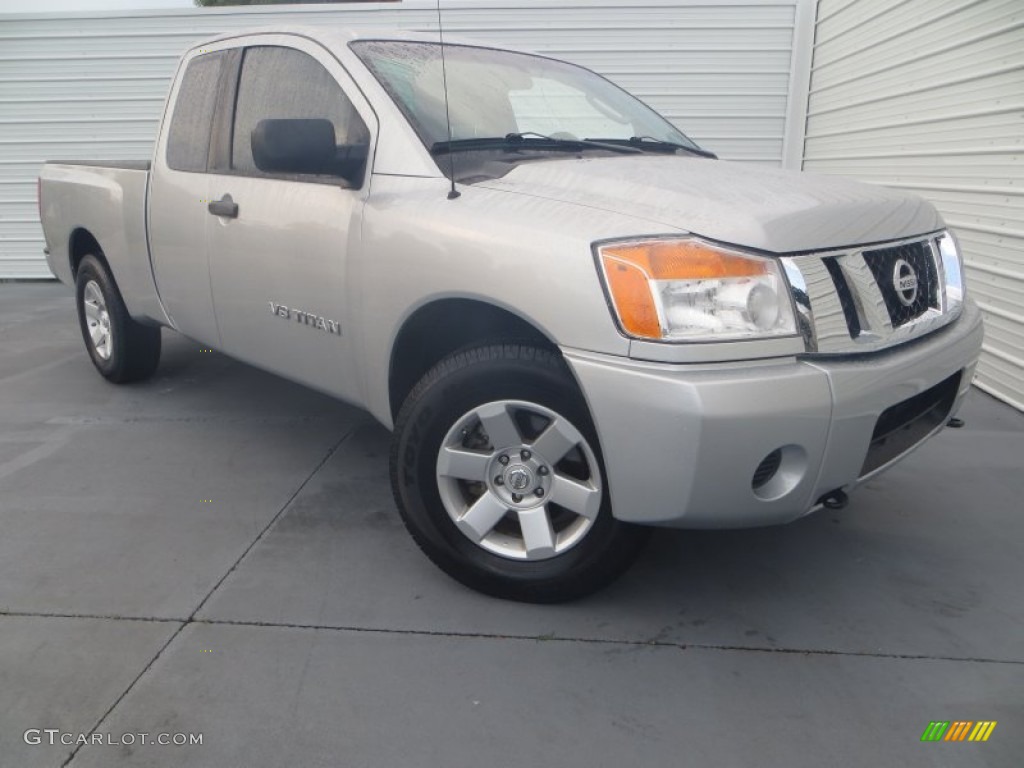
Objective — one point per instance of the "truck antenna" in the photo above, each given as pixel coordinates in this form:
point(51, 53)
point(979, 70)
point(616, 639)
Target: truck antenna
point(453, 193)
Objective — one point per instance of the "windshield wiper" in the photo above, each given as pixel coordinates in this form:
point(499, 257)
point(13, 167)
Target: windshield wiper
point(650, 141)
point(527, 140)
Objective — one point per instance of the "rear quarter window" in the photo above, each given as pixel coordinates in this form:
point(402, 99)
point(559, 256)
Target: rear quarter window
point(188, 141)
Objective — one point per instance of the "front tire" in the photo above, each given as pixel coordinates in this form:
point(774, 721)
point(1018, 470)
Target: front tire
point(498, 474)
point(121, 349)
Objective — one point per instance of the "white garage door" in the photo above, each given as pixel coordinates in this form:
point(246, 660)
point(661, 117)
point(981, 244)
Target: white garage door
point(928, 95)
point(92, 86)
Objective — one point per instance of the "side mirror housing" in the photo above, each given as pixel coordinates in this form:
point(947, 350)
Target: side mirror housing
point(294, 146)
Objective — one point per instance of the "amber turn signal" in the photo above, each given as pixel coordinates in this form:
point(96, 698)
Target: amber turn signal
point(685, 288)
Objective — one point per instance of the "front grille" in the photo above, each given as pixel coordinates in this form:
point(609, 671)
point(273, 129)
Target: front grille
point(905, 424)
point(846, 300)
point(913, 259)
point(856, 300)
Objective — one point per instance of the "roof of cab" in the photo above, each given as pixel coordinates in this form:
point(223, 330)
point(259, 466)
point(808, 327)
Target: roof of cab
point(329, 35)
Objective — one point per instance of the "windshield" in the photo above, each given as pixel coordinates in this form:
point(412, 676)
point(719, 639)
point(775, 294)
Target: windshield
point(494, 93)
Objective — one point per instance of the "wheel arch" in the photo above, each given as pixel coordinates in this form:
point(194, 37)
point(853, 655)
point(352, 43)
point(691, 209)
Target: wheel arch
point(132, 278)
point(81, 243)
point(443, 326)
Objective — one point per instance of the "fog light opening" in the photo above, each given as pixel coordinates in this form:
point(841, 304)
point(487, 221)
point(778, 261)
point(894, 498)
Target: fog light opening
point(779, 472)
point(766, 469)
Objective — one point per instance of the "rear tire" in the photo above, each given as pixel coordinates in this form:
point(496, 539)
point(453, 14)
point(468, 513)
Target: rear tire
point(122, 349)
point(497, 472)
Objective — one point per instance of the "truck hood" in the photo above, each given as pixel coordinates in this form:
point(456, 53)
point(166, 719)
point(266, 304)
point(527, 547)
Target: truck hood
point(739, 203)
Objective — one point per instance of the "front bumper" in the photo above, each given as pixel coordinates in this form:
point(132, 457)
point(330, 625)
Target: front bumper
point(681, 443)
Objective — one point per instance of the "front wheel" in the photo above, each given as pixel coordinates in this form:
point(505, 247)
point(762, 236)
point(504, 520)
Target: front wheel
point(497, 471)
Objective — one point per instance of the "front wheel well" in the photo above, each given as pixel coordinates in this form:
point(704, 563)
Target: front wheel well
point(436, 330)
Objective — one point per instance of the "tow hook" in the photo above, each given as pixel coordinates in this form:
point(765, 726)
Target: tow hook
point(955, 423)
point(836, 499)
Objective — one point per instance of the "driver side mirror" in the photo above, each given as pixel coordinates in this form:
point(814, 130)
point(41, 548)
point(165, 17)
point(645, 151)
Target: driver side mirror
point(304, 146)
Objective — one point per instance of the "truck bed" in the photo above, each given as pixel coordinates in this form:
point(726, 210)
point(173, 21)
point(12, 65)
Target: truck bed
point(107, 200)
point(124, 165)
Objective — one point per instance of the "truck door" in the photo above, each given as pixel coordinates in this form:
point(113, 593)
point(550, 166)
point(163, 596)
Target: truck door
point(178, 199)
point(283, 217)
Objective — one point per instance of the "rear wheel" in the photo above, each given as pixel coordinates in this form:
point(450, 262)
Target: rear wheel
point(498, 474)
point(122, 349)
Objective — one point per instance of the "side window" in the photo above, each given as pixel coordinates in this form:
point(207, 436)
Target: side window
point(287, 100)
point(188, 140)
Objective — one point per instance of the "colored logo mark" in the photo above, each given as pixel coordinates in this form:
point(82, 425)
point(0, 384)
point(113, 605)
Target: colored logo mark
point(958, 730)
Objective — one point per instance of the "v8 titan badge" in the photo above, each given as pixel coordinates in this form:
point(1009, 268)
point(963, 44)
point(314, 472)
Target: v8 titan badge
point(306, 318)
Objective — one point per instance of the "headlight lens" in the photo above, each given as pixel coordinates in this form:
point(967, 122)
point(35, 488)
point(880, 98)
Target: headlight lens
point(689, 290)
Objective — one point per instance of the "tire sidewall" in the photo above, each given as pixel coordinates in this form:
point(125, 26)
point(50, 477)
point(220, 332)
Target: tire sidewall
point(91, 270)
point(422, 428)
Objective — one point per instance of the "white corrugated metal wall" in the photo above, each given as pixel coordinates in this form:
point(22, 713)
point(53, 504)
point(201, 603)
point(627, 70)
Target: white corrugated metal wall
point(91, 86)
point(928, 95)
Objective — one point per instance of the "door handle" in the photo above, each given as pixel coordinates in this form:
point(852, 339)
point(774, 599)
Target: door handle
point(224, 207)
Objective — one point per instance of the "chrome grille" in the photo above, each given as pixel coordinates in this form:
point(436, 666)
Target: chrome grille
point(885, 264)
point(846, 299)
point(860, 299)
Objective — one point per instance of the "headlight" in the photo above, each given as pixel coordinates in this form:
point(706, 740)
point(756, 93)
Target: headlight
point(689, 290)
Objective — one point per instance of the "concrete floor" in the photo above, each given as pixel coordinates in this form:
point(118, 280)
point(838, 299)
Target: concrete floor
point(216, 551)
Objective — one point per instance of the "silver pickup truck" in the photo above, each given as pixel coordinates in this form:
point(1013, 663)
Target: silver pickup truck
point(576, 322)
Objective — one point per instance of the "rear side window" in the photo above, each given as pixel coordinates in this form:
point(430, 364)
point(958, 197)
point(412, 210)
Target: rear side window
point(287, 84)
point(188, 142)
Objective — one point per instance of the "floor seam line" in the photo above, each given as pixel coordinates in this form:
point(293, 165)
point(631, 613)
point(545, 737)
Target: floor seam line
point(104, 616)
point(505, 636)
point(606, 641)
point(124, 693)
point(209, 594)
point(266, 529)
